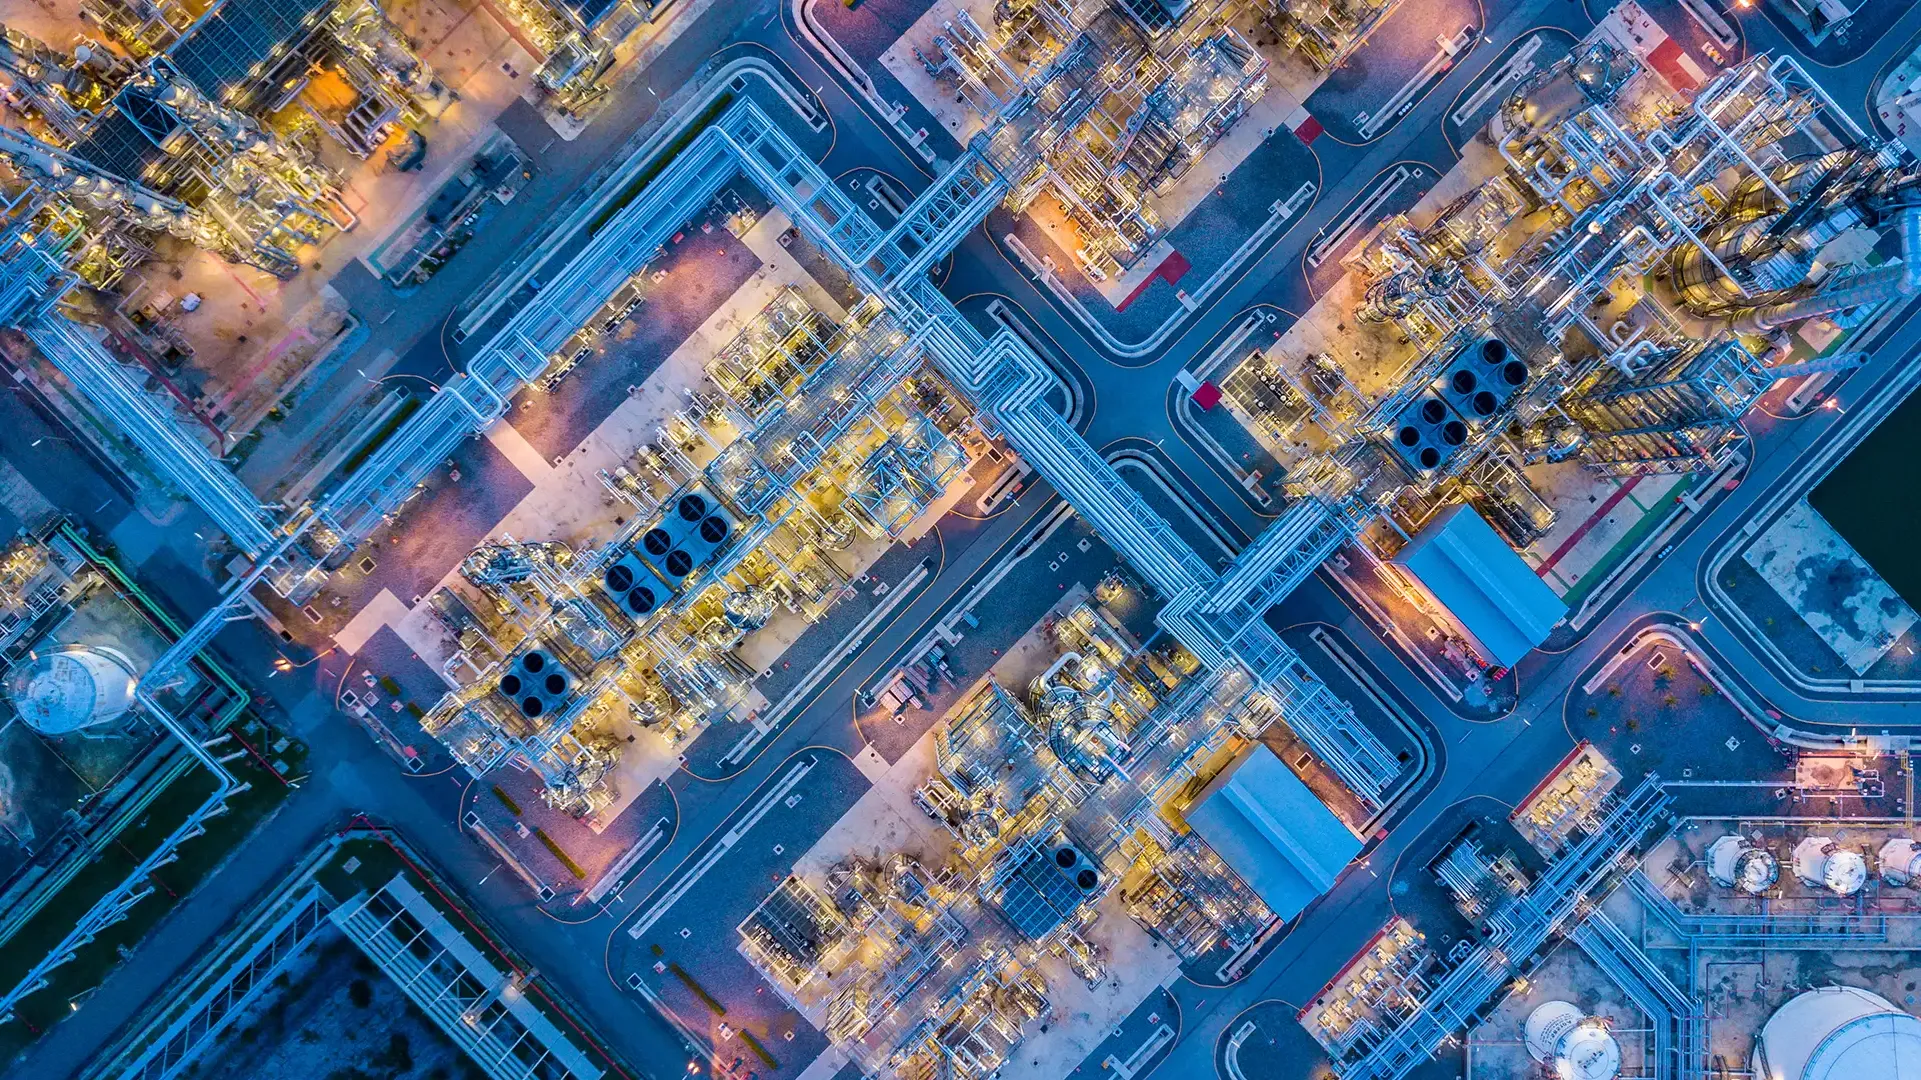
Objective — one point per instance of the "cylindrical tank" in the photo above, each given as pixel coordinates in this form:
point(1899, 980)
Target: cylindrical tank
point(1578, 1046)
point(1838, 1033)
point(1900, 861)
point(1820, 863)
point(72, 688)
point(1734, 863)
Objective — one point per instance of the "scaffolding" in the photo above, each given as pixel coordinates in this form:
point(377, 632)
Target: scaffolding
point(1632, 252)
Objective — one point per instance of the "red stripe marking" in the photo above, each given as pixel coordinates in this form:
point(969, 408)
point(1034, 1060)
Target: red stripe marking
point(1171, 269)
point(1594, 519)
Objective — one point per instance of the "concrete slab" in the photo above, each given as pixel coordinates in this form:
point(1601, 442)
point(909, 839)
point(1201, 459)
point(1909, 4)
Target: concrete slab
point(1826, 581)
point(384, 609)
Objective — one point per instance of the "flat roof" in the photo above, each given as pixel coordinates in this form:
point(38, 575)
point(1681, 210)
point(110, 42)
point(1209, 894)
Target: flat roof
point(1278, 835)
point(1466, 566)
point(226, 45)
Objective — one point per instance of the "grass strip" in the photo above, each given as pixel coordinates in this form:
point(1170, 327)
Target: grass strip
point(565, 860)
point(700, 991)
point(507, 800)
point(386, 431)
point(759, 1050)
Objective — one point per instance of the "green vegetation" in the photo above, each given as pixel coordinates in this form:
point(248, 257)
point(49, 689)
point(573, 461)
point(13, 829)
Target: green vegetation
point(506, 800)
point(1629, 542)
point(759, 1050)
point(381, 434)
point(171, 884)
point(700, 991)
point(388, 684)
point(661, 160)
point(565, 859)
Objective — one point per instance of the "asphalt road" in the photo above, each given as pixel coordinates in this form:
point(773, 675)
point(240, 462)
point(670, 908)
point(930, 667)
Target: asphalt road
point(1494, 760)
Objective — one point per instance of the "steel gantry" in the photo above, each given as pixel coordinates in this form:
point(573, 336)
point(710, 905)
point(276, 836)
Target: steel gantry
point(1515, 932)
point(34, 276)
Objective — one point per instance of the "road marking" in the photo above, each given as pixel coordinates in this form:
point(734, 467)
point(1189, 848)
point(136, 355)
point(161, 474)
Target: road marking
point(1404, 98)
point(625, 863)
point(1127, 1069)
point(1518, 67)
point(1318, 252)
point(726, 843)
point(1233, 1054)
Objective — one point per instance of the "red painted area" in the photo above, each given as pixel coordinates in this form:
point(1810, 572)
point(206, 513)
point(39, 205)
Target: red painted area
point(1171, 270)
point(1594, 519)
point(1666, 59)
point(1207, 395)
point(1521, 807)
point(1174, 268)
point(1309, 130)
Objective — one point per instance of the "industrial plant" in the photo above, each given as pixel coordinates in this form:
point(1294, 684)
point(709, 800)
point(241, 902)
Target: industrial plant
point(958, 540)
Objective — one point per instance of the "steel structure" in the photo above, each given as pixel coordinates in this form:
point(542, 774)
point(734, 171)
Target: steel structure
point(172, 1051)
point(35, 273)
point(472, 1001)
point(1100, 107)
point(1514, 932)
point(1624, 263)
point(1216, 616)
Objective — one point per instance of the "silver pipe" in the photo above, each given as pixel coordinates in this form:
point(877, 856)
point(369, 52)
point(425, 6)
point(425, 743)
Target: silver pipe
point(1879, 285)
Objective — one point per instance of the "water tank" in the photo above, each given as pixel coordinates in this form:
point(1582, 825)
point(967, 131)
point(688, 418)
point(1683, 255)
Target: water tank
point(1577, 1046)
point(1900, 861)
point(1820, 863)
point(72, 688)
point(1735, 863)
point(1838, 1033)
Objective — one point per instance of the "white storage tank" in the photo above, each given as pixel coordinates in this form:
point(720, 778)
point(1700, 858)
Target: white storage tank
point(1820, 863)
point(72, 688)
point(1736, 863)
point(1900, 862)
point(1838, 1033)
point(1576, 1046)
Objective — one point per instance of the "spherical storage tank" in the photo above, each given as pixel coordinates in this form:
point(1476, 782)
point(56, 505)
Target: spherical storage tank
point(1838, 1033)
point(1576, 1046)
point(73, 688)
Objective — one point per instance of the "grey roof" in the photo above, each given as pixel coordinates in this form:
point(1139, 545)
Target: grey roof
point(1466, 566)
point(1276, 834)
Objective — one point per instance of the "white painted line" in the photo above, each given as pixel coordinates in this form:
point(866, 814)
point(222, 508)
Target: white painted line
point(1233, 1054)
point(1403, 98)
point(1319, 251)
point(626, 862)
point(1518, 67)
point(1126, 1070)
point(896, 596)
point(719, 850)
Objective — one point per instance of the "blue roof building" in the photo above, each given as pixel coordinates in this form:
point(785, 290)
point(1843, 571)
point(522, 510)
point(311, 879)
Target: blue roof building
point(1492, 593)
point(1275, 833)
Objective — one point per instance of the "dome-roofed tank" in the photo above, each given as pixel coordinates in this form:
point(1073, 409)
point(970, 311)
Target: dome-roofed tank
point(1575, 1045)
point(1900, 861)
point(1735, 863)
point(1838, 1033)
point(73, 688)
point(1821, 863)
